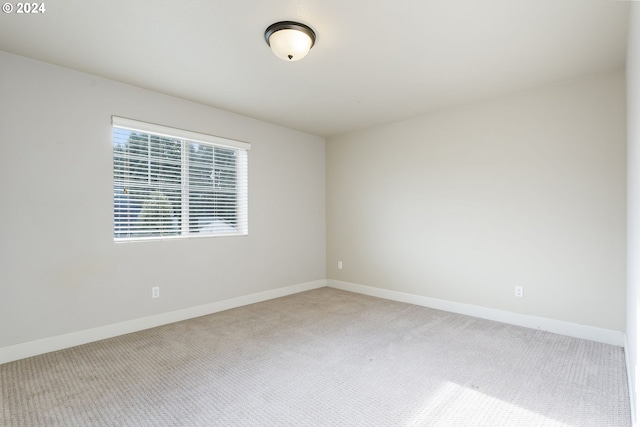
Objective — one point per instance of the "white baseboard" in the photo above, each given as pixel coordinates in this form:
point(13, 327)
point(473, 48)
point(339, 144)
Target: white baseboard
point(591, 333)
point(33, 348)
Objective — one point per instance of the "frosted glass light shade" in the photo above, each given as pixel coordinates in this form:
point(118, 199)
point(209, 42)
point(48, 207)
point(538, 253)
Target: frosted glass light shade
point(290, 45)
point(290, 41)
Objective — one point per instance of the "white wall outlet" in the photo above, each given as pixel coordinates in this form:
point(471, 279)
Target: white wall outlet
point(155, 292)
point(339, 265)
point(519, 291)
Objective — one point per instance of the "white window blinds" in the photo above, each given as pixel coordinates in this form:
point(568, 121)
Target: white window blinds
point(170, 182)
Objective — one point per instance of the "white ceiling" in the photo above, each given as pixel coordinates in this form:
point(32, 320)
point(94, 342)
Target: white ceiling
point(374, 61)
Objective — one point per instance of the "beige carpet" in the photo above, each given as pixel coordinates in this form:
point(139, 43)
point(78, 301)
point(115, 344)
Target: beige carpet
point(323, 357)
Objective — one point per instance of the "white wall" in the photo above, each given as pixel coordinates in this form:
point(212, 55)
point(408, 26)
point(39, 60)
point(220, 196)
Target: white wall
point(60, 270)
point(463, 205)
point(633, 191)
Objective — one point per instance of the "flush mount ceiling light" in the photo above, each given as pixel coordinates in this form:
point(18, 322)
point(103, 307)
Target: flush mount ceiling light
point(290, 40)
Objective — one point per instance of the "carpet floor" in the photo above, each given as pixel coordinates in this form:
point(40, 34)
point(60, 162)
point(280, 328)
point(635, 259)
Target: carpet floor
point(323, 358)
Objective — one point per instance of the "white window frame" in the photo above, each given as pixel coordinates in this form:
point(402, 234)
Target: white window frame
point(186, 137)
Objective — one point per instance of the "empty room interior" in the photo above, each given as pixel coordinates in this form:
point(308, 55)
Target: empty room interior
point(319, 213)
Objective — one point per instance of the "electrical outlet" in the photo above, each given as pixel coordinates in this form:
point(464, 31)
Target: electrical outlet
point(519, 291)
point(339, 265)
point(155, 292)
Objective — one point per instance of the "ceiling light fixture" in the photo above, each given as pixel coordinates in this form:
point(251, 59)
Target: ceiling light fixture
point(290, 40)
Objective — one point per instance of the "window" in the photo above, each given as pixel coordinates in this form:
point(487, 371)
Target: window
point(170, 183)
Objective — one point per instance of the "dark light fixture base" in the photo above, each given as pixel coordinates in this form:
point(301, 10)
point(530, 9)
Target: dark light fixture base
point(289, 25)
